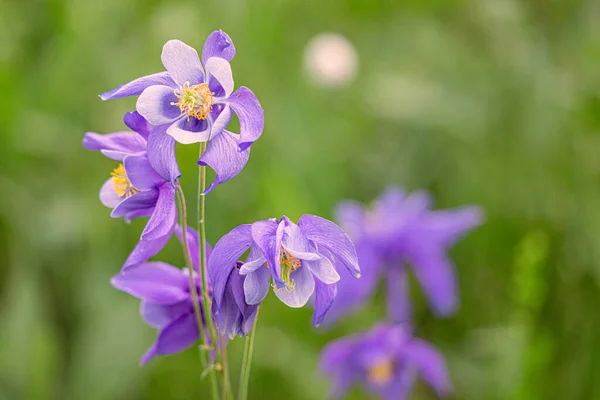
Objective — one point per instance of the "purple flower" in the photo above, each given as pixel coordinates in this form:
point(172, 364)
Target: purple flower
point(300, 259)
point(166, 300)
point(386, 361)
point(400, 229)
point(135, 189)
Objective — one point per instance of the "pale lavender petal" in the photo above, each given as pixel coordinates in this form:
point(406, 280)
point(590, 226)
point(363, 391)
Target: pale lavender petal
point(115, 145)
point(108, 196)
point(218, 44)
point(140, 173)
point(156, 104)
point(182, 63)
point(251, 115)
point(296, 243)
point(161, 315)
point(176, 337)
point(220, 69)
point(143, 251)
point(268, 235)
point(398, 300)
point(304, 286)
point(156, 282)
point(324, 298)
point(137, 86)
point(256, 285)
point(330, 236)
point(251, 266)
point(323, 270)
point(163, 219)
point(137, 123)
point(161, 153)
point(139, 201)
point(221, 115)
point(224, 258)
point(429, 363)
point(224, 157)
point(189, 131)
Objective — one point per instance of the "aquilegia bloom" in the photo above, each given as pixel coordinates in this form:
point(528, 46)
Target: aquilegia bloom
point(386, 360)
point(194, 98)
point(300, 259)
point(135, 189)
point(401, 229)
point(166, 300)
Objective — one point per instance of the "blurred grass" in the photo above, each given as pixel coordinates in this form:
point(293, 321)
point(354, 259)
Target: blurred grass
point(491, 102)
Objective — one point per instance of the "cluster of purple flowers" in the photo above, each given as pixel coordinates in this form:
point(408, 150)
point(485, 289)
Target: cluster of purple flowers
point(218, 295)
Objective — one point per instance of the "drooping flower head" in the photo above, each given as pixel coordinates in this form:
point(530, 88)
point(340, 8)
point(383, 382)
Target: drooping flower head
point(401, 230)
point(134, 188)
point(167, 303)
point(300, 259)
point(386, 361)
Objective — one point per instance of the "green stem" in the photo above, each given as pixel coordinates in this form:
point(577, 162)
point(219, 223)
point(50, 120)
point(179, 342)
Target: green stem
point(227, 392)
point(190, 266)
point(247, 362)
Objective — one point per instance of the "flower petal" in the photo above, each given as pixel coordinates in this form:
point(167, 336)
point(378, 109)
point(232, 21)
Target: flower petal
point(182, 63)
point(218, 44)
point(398, 300)
point(324, 297)
point(256, 286)
point(176, 337)
point(140, 173)
point(330, 236)
point(255, 260)
point(156, 282)
point(115, 145)
point(189, 131)
point(108, 196)
point(220, 69)
point(323, 270)
point(156, 105)
point(139, 201)
point(163, 219)
point(161, 315)
point(224, 257)
point(161, 153)
point(228, 316)
point(303, 289)
point(137, 86)
point(143, 251)
point(224, 157)
point(222, 118)
point(448, 226)
point(429, 363)
point(267, 235)
point(251, 115)
point(137, 123)
point(296, 243)
point(351, 217)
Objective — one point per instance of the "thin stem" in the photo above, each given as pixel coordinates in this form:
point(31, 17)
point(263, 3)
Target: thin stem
point(247, 362)
point(190, 266)
point(227, 392)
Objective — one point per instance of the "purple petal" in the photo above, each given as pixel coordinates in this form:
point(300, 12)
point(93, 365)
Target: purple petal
point(156, 105)
point(220, 69)
point(304, 286)
point(143, 251)
point(176, 337)
point(223, 116)
point(108, 196)
point(192, 244)
point(256, 286)
point(448, 226)
point(161, 315)
point(163, 219)
point(224, 257)
point(156, 282)
point(398, 300)
point(351, 216)
point(295, 243)
point(115, 145)
point(268, 235)
point(137, 86)
point(218, 44)
point(139, 201)
point(228, 316)
point(251, 115)
point(182, 63)
point(223, 156)
point(137, 123)
point(161, 153)
point(140, 173)
point(336, 362)
point(330, 236)
point(429, 363)
point(189, 131)
point(324, 297)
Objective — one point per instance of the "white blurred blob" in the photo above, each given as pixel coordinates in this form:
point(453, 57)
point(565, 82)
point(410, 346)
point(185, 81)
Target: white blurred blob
point(330, 60)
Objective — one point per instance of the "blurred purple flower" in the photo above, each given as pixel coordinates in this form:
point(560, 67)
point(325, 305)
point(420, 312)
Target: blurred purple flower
point(402, 229)
point(166, 300)
point(135, 189)
point(300, 259)
point(193, 102)
point(386, 361)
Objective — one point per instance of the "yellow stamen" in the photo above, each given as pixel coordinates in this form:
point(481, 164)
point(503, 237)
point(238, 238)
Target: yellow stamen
point(121, 184)
point(382, 372)
point(195, 101)
point(288, 264)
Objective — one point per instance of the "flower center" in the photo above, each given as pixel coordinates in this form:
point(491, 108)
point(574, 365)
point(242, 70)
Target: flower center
point(195, 101)
point(382, 372)
point(121, 184)
point(288, 264)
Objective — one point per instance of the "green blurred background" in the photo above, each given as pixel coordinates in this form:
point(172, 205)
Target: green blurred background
point(490, 102)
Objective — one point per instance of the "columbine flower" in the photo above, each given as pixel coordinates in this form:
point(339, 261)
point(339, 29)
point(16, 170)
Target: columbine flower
point(401, 229)
point(166, 300)
point(194, 99)
point(300, 259)
point(134, 188)
point(386, 360)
